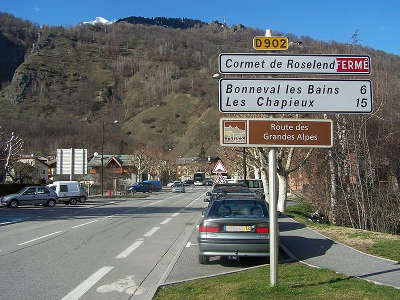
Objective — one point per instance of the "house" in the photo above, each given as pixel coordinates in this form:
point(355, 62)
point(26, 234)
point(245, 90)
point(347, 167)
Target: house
point(30, 169)
point(187, 166)
point(118, 170)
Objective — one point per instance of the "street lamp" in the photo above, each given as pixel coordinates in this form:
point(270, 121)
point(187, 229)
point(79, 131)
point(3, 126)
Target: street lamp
point(102, 154)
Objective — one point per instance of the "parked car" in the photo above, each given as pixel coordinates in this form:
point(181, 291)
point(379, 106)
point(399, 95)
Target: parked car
point(68, 192)
point(188, 182)
point(178, 187)
point(234, 226)
point(31, 195)
point(155, 185)
point(143, 187)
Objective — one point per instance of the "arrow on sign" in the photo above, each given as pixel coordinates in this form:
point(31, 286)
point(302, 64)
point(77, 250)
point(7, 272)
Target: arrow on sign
point(219, 168)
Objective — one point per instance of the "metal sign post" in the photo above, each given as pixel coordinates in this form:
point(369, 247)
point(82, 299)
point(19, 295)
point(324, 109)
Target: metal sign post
point(273, 220)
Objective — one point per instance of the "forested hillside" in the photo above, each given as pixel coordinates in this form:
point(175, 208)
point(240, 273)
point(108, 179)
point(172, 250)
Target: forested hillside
point(157, 81)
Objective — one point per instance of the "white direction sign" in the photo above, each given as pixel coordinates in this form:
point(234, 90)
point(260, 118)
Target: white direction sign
point(254, 63)
point(295, 96)
point(219, 168)
point(71, 161)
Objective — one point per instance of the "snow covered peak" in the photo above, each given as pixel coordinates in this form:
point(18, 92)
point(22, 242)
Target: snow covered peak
point(99, 20)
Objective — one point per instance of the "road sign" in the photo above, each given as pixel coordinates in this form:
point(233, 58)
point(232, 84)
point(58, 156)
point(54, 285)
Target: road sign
point(294, 96)
point(219, 179)
point(307, 133)
point(71, 161)
point(255, 63)
point(270, 43)
point(219, 168)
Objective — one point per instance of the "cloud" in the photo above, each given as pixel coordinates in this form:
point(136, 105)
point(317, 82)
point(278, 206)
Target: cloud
point(36, 9)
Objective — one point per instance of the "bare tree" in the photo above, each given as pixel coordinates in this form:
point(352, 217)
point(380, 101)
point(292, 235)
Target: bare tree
point(10, 149)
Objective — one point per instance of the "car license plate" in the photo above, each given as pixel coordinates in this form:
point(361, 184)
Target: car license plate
point(233, 228)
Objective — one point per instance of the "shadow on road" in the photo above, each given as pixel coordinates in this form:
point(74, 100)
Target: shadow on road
point(307, 247)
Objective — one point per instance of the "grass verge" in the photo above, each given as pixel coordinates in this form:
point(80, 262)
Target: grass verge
point(295, 281)
point(375, 243)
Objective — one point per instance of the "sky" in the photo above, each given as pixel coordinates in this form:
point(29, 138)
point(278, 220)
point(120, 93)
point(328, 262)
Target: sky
point(376, 22)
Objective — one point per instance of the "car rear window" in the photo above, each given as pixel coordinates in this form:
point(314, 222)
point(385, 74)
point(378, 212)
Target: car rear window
point(238, 208)
point(63, 188)
point(232, 189)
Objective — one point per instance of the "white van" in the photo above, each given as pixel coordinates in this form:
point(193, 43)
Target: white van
point(68, 192)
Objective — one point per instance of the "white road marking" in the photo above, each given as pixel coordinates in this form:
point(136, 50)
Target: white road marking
point(42, 237)
point(151, 232)
point(81, 289)
point(176, 214)
point(84, 224)
point(125, 285)
point(129, 250)
point(166, 221)
point(10, 222)
point(188, 245)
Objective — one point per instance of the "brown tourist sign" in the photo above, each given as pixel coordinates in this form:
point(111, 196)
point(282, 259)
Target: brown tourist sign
point(276, 133)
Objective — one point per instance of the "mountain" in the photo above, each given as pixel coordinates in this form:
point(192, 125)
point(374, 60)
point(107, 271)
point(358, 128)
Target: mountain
point(155, 77)
point(99, 20)
point(182, 23)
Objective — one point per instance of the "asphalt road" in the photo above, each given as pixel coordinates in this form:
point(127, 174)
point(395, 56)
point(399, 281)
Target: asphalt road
point(95, 251)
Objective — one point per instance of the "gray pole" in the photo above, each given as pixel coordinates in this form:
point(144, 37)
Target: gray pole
point(273, 221)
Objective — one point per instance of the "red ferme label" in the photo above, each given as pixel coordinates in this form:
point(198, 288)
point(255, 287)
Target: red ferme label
point(352, 64)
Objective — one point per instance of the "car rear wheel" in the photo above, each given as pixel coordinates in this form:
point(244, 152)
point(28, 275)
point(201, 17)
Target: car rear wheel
point(72, 201)
point(51, 203)
point(13, 203)
point(82, 200)
point(203, 259)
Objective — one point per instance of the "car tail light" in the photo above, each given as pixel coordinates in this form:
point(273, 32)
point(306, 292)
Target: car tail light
point(209, 228)
point(262, 228)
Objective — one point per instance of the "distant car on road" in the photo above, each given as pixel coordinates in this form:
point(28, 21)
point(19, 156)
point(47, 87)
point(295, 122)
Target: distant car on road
point(178, 187)
point(226, 188)
point(209, 182)
point(170, 184)
point(31, 195)
point(143, 187)
point(234, 226)
point(188, 182)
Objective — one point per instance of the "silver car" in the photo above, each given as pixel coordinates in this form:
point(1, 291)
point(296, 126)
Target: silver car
point(234, 226)
point(31, 195)
point(178, 187)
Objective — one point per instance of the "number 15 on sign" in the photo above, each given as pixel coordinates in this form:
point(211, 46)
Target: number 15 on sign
point(266, 95)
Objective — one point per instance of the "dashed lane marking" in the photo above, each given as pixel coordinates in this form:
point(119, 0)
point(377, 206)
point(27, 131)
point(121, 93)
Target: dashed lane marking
point(81, 289)
point(129, 250)
point(41, 237)
point(151, 231)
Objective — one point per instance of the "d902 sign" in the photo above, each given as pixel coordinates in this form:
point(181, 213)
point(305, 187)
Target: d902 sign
point(270, 43)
